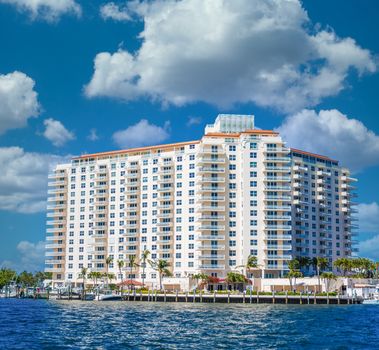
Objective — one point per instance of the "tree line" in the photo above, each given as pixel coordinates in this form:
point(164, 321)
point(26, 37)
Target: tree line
point(23, 279)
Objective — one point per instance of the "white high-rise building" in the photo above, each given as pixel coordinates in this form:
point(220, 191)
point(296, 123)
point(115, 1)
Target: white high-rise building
point(204, 206)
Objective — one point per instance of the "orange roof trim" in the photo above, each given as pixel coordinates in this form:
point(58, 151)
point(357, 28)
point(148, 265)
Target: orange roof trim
point(313, 155)
point(133, 150)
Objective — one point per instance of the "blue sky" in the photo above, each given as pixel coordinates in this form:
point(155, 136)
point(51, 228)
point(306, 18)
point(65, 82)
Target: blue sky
point(167, 68)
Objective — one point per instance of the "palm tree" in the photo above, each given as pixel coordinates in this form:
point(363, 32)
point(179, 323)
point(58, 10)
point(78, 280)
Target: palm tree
point(343, 264)
point(251, 263)
point(293, 274)
point(132, 263)
point(161, 266)
point(320, 264)
point(83, 274)
point(108, 261)
point(144, 257)
point(293, 264)
point(235, 277)
point(120, 264)
point(327, 277)
point(304, 261)
point(200, 276)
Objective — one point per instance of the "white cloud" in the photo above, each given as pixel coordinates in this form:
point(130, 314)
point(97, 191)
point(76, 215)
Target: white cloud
point(368, 214)
point(93, 135)
point(30, 257)
point(49, 10)
point(334, 134)
point(141, 134)
point(225, 52)
point(56, 132)
point(18, 100)
point(370, 248)
point(115, 12)
point(193, 121)
point(23, 180)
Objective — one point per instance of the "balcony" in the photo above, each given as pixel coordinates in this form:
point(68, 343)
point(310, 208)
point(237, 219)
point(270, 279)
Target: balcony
point(278, 168)
point(165, 198)
point(210, 179)
point(56, 222)
point(212, 267)
point(278, 198)
point(210, 160)
point(278, 178)
point(211, 228)
point(278, 217)
point(200, 208)
point(279, 247)
point(210, 247)
point(57, 199)
point(211, 189)
point(278, 188)
point(166, 171)
point(212, 198)
point(211, 257)
point(165, 215)
point(164, 224)
point(55, 238)
point(211, 237)
point(277, 150)
point(57, 183)
point(165, 189)
point(54, 245)
point(279, 257)
point(132, 175)
point(55, 229)
point(211, 170)
point(278, 207)
point(54, 214)
point(58, 175)
point(277, 159)
point(211, 218)
point(165, 206)
point(57, 190)
point(54, 261)
point(278, 227)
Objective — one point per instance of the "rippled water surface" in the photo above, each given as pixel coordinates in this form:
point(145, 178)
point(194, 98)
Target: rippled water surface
point(38, 324)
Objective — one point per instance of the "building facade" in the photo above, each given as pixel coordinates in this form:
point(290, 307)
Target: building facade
point(203, 206)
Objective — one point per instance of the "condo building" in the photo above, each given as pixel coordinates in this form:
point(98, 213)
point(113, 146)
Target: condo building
point(203, 206)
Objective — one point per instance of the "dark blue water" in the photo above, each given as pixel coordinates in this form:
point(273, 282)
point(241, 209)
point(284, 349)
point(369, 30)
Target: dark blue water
point(33, 324)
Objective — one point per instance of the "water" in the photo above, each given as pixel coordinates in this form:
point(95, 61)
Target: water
point(39, 324)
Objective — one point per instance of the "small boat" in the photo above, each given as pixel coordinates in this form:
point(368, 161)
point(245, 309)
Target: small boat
point(89, 297)
point(371, 301)
point(109, 296)
point(374, 298)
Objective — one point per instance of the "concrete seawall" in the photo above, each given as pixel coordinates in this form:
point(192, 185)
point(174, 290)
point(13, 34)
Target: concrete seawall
point(241, 298)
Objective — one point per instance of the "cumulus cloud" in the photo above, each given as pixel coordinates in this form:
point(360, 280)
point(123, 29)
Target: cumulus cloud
point(141, 134)
point(227, 52)
point(334, 134)
point(115, 12)
point(48, 10)
point(30, 257)
point(368, 214)
point(23, 180)
point(193, 121)
point(18, 100)
point(56, 132)
point(92, 136)
point(370, 248)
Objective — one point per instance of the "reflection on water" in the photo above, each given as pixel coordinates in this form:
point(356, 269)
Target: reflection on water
point(31, 324)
